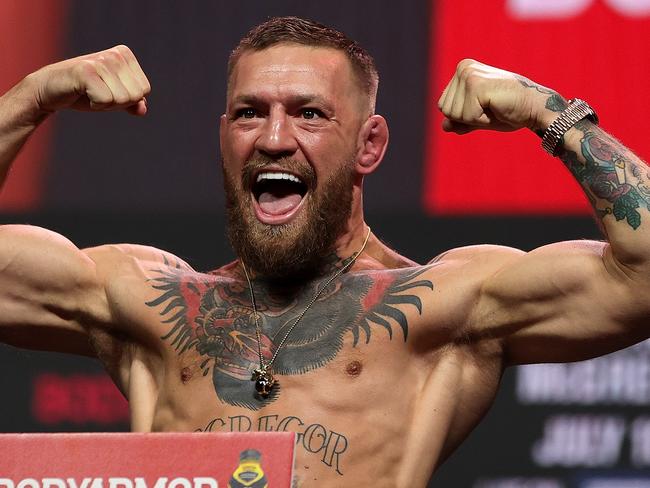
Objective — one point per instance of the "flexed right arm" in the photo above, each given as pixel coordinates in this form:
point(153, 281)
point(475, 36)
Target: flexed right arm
point(107, 80)
point(50, 291)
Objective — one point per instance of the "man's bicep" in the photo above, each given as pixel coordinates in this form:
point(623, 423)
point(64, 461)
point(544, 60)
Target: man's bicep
point(562, 302)
point(49, 291)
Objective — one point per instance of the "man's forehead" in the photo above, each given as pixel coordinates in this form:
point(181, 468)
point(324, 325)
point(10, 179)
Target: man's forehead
point(301, 62)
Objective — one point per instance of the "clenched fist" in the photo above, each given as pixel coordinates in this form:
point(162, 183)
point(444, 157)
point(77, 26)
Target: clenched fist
point(107, 80)
point(483, 97)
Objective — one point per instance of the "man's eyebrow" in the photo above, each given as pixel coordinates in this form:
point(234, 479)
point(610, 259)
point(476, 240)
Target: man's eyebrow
point(306, 99)
point(299, 99)
point(246, 99)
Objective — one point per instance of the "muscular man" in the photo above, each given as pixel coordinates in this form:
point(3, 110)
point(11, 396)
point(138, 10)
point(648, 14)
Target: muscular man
point(337, 331)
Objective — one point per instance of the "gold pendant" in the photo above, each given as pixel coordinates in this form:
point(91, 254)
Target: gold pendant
point(264, 381)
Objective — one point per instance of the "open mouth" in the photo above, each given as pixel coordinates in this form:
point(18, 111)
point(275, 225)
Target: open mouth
point(277, 195)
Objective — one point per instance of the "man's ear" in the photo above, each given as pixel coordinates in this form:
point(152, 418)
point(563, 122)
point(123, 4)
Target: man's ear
point(372, 144)
point(222, 129)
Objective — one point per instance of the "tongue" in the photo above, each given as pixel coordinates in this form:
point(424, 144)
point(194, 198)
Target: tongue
point(274, 204)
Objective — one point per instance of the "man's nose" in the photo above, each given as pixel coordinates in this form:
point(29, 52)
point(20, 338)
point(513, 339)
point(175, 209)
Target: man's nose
point(277, 138)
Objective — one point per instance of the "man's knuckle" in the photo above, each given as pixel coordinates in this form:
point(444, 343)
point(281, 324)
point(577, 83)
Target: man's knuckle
point(473, 79)
point(111, 59)
point(123, 50)
point(102, 62)
point(465, 74)
point(85, 69)
point(472, 74)
point(463, 64)
point(121, 98)
point(116, 56)
point(101, 98)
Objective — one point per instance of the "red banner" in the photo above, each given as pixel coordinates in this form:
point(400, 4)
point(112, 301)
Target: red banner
point(203, 460)
point(592, 49)
point(31, 36)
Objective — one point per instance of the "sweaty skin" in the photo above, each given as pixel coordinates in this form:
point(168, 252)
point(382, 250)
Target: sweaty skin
point(396, 362)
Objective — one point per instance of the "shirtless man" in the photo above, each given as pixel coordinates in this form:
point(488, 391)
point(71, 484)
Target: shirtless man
point(381, 365)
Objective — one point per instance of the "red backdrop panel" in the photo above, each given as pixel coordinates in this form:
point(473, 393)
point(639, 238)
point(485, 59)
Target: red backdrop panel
point(594, 49)
point(31, 35)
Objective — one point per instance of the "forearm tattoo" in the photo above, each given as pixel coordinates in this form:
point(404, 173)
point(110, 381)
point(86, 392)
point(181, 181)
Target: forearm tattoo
point(616, 182)
point(554, 102)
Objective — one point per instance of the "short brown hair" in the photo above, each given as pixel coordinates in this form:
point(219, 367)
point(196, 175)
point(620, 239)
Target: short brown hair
point(295, 30)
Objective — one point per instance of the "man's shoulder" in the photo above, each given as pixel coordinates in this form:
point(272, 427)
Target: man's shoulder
point(478, 254)
point(113, 255)
point(147, 264)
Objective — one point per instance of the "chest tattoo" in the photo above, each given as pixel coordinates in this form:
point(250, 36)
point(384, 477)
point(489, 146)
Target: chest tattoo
point(212, 316)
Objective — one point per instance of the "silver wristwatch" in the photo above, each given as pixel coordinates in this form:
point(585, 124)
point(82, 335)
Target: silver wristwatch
point(575, 112)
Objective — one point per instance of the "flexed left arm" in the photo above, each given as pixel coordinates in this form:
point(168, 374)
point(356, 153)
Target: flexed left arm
point(566, 301)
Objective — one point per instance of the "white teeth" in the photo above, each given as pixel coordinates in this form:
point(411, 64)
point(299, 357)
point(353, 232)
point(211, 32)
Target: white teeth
point(277, 176)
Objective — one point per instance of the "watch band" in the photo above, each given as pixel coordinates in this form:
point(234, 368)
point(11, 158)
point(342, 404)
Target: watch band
point(575, 112)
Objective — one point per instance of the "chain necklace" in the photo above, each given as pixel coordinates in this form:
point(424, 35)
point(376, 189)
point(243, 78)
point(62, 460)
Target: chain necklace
point(264, 380)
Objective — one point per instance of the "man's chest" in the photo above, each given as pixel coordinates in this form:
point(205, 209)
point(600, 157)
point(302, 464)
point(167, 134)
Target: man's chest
point(351, 357)
point(338, 411)
point(230, 330)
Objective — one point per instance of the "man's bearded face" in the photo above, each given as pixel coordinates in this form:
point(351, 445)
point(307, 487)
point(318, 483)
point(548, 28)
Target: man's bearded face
point(301, 245)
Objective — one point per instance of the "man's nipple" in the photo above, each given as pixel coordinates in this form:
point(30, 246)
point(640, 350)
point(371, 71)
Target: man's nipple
point(186, 374)
point(354, 368)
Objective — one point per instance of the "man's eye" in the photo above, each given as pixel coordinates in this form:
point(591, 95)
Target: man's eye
point(310, 113)
point(247, 113)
